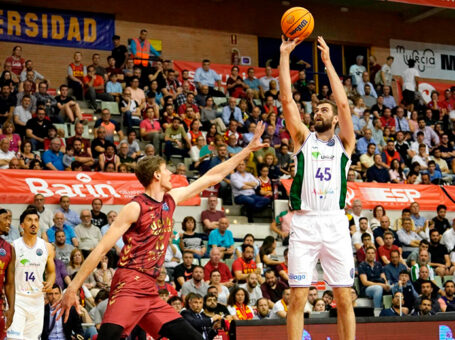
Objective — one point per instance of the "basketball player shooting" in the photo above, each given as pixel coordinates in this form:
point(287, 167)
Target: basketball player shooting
point(146, 226)
point(319, 228)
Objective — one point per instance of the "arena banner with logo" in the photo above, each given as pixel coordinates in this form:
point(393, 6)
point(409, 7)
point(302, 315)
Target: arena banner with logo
point(19, 186)
point(393, 196)
point(427, 86)
point(433, 61)
point(224, 70)
point(56, 27)
point(431, 3)
point(450, 191)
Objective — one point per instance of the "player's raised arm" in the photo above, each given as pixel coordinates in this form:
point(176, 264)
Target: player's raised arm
point(346, 135)
point(299, 132)
point(127, 216)
point(216, 174)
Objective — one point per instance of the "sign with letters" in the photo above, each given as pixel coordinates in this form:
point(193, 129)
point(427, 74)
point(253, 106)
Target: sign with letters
point(433, 61)
point(56, 27)
point(431, 3)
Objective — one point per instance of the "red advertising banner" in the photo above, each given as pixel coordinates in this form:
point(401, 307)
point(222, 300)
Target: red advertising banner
point(427, 86)
point(431, 3)
point(19, 186)
point(393, 196)
point(224, 70)
point(450, 191)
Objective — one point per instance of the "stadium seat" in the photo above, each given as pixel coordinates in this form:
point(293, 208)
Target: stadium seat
point(85, 134)
point(364, 302)
point(204, 261)
point(220, 101)
point(111, 106)
point(387, 301)
point(438, 281)
point(229, 262)
point(63, 127)
point(257, 102)
point(447, 278)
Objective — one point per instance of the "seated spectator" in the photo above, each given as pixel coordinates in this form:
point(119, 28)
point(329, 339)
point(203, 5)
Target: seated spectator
point(368, 98)
point(99, 70)
point(409, 238)
point(8, 133)
point(405, 286)
point(235, 84)
point(45, 100)
point(396, 308)
point(222, 239)
point(238, 305)
point(82, 156)
point(196, 284)
point(150, 129)
point(319, 306)
point(215, 281)
point(372, 278)
point(110, 125)
point(262, 309)
point(211, 216)
point(194, 131)
point(67, 106)
point(356, 238)
point(190, 240)
point(76, 73)
point(232, 113)
point(449, 297)
point(425, 307)
point(388, 246)
point(59, 225)
point(422, 261)
point(87, 234)
point(395, 266)
point(396, 172)
point(360, 253)
point(267, 252)
point(244, 185)
point(62, 249)
point(94, 88)
point(272, 289)
point(100, 144)
point(312, 297)
point(113, 87)
point(434, 174)
point(78, 132)
point(130, 108)
point(123, 156)
point(189, 103)
point(213, 307)
point(367, 159)
point(184, 271)
point(364, 143)
point(377, 173)
point(76, 260)
point(216, 264)
point(104, 274)
point(233, 145)
point(390, 154)
point(109, 157)
point(387, 121)
point(53, 158)
point(422, 158)
point(194, 315)
point(206, 76)
point(252, 286)
point(37, 128)
point(245, 265)
point(115, 67)
point(440, 260)
point(441, 223)
point(437, 303)
point(22, 114)
point(430, 138)
point(280, 308)
point(176, 303)
point(5, 154)
point(177, 142)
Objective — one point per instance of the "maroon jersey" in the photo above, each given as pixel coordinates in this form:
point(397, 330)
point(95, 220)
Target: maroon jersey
point(5, 259)
point(146, 240)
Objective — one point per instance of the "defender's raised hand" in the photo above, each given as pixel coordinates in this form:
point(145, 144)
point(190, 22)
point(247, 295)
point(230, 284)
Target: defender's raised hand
point(325, 51)
point(288, 45)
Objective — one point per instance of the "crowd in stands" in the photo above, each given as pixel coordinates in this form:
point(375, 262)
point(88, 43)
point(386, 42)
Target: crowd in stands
point(166, 113)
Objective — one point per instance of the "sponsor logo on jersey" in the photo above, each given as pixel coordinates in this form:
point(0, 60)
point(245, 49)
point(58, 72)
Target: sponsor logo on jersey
point(2, 252)
point(24, 261)
point(315, 154)
point(39, 251)
point(323, 193)
point(297, 277)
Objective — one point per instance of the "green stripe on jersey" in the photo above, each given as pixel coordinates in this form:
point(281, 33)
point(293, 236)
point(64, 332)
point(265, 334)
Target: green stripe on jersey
point(296, 188)
point(344, 183)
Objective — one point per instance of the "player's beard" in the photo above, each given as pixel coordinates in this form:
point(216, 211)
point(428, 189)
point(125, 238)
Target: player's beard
point(323, 126)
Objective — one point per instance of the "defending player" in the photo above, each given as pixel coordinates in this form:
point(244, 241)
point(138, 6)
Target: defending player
point(146, 225)
point(319, 228)
point(34, 256)
point(7, 259)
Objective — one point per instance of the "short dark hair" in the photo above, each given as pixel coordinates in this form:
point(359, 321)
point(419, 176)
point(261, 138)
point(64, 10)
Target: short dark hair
point(424, 242)
point(205, 60)
point(102, 295)
point(404, 272)
point(56, 286)
point(363, 218)
point(440, 207)
point(406, 210)
point(432, 231)
point(365, 235)
point(425, 281)
point(30, 210)
point(245, 246)
point(328, 292)
point(174, 298)
point(394, 251)
point(448, 281)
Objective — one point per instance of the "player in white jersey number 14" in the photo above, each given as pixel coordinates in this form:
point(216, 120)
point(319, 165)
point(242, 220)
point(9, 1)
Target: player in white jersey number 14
point(319, 228)
point(34, 258)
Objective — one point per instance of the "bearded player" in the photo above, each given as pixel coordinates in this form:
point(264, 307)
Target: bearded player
point(7, 260)
point(319, 227)
point(146, 225)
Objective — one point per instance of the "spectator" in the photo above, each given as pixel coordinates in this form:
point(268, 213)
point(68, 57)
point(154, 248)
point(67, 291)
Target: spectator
point(388, 246)
point(53, 158)
point(272, 289)
point(150, 129)
point(210, 217)
point(190, 240)
point(361, 86)
point(396, 308)
point(356, 70)
point(196, 284)
point(104, 274)
point(206, 76)
point(194, 314)
point(252, 82)
point(215, 281)
point(448, 238)
point(5, 154)
point(252, 286)
point(387, 121)
point(111, 126)
point(87, 234)
point(264, 82)
point(238, 305)
point(58, 329)
point(82, 156)
point(100, 144)
point(390, 154)
point(177, 142)
point(71, 217)
point(245, 265)
point(312, 297)
point(109, 157)
point(94, 88)
point(449, 297)
point(425, 308)
point(372, 278)
point(99, 218)
point(364, 142)
point(430, 138)
point(378, 134)
point(357, 236)
point(184, 271)
point(360, 253)
point(410, 84)
point(422, 261)
point(437, 304)
point(404, 285)
point(8, 132)
point(232, 113)
point(280, 308)
point(45, 215)
point(45, 100)
point(405, 213)
point(377, 173)
point(409, 238)
point(440, 260)
point(367, 159)
point(396, 172)
point(222, 239)
point(22, 114)
point(62, 249)
point(130, 108)
point(219, 308)
point(99, 70)
point(7, 103)
point(216, 264)
point(262, 309)
point(36, 129)
point(76, 73)
point(244, 185)
point(393, 269)
point(111, 217)
point(327, 296)
point(113, 87)
point(403, 147)
point(59, 225)
point(124, 158)
point(441, 223)
point(78, 132)
point(67, 106)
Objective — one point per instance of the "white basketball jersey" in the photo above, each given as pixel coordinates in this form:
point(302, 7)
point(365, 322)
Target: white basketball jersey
point(320, 181)
point(30, 266)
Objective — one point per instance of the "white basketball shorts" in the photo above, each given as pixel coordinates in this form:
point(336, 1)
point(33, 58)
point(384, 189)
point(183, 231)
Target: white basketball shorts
point(320, 236)
point(28, 318)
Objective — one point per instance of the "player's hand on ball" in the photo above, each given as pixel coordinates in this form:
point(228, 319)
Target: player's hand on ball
point(256, 143)
point(325, 51)
point(288, 45)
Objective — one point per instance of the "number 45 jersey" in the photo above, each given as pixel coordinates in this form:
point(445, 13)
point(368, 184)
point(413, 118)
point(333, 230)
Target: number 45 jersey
point(320, 181)
point(30, 266)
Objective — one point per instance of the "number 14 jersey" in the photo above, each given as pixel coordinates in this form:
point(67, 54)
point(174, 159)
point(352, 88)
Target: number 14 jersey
point(30, 266)
point(320, 181)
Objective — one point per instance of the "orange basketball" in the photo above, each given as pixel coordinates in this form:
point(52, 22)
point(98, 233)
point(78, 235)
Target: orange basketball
point(297, 22)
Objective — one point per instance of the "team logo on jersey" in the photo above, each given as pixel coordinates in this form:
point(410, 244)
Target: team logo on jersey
point(39, 251)
point(165, 207)
point(315, 154)
point(331, 142)
point(2, 252)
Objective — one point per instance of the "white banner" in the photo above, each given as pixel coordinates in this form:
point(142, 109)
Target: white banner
point(433, 61)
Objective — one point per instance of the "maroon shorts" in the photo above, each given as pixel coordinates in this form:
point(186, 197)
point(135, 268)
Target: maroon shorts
point(134, 300)
point(2, 323)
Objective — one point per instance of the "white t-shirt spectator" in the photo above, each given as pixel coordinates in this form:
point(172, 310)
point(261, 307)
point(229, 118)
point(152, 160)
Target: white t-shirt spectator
point(6, 156)
point(277, 307)
point(409, 82)
point(387, 74)
point(356, 72)
point(23, 114)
